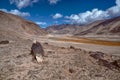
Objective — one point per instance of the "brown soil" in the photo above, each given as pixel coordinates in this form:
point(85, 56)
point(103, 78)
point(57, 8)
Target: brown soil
point(61, 63)
point(90, 41)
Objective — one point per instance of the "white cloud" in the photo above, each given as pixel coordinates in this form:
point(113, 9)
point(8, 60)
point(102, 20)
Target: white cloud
point(88, 16)
point(57, 15)
point(118, 3)
point(115, 10)
point(41, 23)
point(23, 3)
point(53, 1)
point(95, 14)
point(16, 12)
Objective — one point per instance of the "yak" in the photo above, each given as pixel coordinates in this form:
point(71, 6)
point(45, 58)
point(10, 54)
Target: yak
point(37, 51)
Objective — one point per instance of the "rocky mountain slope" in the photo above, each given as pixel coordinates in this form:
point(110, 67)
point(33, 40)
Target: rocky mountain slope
point(15, 26)
point(64, 29)
point(107, 27)
point(103, 27)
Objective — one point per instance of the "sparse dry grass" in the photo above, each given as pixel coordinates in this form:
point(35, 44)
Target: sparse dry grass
point(61, 63)
point(90, 41)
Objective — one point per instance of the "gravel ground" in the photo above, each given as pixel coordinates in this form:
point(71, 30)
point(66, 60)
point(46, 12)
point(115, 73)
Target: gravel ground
point(61, 63)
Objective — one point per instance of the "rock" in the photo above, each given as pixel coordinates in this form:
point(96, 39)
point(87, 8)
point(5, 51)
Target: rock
point(71, 70)
point(62, 47)
point(46, 43)
point(71, 47)
point(104, 63)
point(116, 63)
point(4, 42)
point(101, 60)
point(97, 55)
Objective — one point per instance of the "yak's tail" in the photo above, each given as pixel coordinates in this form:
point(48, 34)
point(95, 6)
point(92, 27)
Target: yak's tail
point(39, 59)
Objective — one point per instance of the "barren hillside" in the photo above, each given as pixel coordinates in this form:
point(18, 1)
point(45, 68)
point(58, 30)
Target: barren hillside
point(64, 29)
point(15, 26)
point(108, 27)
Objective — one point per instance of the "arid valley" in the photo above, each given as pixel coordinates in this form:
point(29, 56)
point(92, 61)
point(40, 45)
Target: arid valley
point(84, 55)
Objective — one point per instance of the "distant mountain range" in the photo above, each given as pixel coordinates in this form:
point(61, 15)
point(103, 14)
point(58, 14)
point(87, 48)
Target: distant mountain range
point(14, 26)
point(102, 27)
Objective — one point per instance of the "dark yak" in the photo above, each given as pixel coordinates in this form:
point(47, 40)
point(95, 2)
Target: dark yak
point(37, 51)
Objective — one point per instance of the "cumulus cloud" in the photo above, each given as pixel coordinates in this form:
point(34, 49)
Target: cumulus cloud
point(118, 3)
point(57, 15)
point(88, 16)
point(115, 10)
point(41, 23)
point(95, 14)
point(16, 12)
point(23, 3)
point(53, 1)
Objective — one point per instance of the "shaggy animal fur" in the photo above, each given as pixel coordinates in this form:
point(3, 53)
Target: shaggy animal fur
point(37, 50)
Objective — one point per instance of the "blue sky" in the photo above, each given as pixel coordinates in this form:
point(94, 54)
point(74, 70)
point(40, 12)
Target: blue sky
point(49, 12)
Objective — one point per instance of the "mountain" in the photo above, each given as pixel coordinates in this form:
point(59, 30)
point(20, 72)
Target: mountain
point(106, 27)
point(15, 26)
point(101, 27)
point(63, 29)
